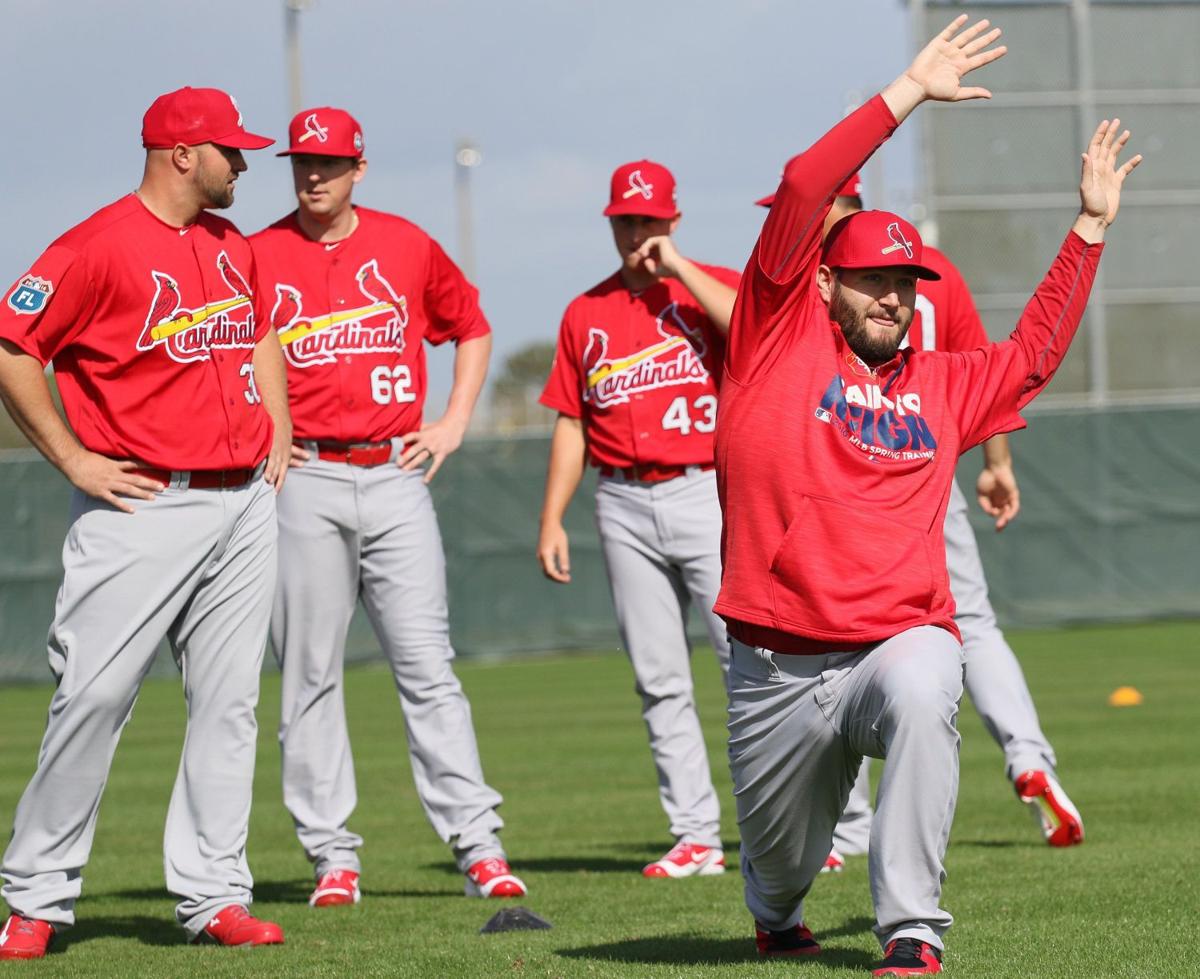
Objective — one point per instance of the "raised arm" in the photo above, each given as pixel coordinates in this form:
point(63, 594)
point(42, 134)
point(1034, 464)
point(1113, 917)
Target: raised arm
point(791, 235)
point(661, 258)
point(998, 381)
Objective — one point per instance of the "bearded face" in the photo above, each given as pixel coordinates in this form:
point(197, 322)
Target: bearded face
point(874, 308)
point(217, 169)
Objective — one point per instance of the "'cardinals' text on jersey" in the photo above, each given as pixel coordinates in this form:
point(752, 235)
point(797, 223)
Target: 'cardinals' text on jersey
point(352, 316)
point(151, 329)
point(642, 371)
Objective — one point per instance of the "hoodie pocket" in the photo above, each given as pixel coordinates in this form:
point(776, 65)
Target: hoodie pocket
point(838, 573)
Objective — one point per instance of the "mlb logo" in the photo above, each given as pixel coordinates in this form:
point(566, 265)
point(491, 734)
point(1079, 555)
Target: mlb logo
point(823, 415)
point(30, 295)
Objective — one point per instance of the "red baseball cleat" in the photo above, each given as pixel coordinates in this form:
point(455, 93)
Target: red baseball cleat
point(909, 957)
point(235, 926)
point(688, 860)
point(792, 943)
point(493, 877)
point(835, 863)
point(336, 887)
point(25, 938)
point(1055, 813)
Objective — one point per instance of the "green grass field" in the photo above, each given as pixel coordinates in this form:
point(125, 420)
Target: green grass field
point(563, 740)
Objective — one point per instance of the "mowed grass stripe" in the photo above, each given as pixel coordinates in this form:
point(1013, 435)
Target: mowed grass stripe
point(562, 739)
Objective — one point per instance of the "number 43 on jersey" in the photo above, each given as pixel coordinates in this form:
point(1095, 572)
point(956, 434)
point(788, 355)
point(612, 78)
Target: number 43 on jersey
point(700, 415)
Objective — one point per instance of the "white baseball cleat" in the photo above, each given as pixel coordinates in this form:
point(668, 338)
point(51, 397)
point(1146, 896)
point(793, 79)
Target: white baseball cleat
point(688, 860)
point(493, 877)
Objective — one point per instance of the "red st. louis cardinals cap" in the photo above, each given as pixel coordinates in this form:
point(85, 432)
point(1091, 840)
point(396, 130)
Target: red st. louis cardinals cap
point(325, 131)
point(851, 188)
point(875, 239)
point(197, 115)
point(642, 187)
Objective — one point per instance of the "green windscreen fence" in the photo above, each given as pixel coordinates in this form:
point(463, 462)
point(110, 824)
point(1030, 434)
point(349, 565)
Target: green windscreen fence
point(1109, 529)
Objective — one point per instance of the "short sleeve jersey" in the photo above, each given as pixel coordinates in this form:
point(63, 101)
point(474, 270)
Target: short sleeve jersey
point(352, 317)
point(642, 370)
point(151, 331)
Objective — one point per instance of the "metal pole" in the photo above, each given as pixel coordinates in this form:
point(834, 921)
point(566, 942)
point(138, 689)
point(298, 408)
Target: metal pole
point(1085, 82)
point(466, 158)
point(291, 25)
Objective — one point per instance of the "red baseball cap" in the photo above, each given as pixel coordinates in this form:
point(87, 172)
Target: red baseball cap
point(642, 187)
point(197, 115)
point(325, 131)
point(851, 188)
point(875, 239)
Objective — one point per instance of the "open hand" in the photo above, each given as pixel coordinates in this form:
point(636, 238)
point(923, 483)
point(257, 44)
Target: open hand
point(940, 66)
point(1100, 183)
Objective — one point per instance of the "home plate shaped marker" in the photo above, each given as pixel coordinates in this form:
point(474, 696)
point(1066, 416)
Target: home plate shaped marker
point(514, 919)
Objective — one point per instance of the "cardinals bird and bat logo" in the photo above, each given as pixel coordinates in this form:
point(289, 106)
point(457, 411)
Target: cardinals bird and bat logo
point(190, 334)
point(676, 359)
point(375, 327)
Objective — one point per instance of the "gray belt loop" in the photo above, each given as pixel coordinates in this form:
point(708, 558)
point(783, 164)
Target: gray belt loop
point(180, 480)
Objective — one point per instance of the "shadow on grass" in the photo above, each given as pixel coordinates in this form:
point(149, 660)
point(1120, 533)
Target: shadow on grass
point(998, 844)
point(854, 926)
point(277, 892)
point(697, 950)
point(143, 928)
point(571, 865)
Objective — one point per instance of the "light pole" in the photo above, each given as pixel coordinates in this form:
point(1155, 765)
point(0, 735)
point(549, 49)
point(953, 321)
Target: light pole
point(292, 9)
point(466, 158)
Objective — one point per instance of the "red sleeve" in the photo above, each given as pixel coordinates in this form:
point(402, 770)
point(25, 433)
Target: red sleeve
point(49, 306)
point(989, 386)
point(963, 327)
point(564, 387)
point(451, 302)
point(785, 256)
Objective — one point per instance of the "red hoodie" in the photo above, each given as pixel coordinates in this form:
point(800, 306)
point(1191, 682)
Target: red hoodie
point(834, 478)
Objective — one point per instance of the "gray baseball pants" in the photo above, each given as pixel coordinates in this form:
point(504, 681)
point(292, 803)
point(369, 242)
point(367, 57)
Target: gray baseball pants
point(199, 567)
point(799, 727)
point(661, 545)
point(350, 533)
point(994, 679)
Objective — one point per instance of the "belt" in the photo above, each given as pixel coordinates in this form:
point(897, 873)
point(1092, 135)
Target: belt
point(199, 478)
point(355, 453)
point(650, 473)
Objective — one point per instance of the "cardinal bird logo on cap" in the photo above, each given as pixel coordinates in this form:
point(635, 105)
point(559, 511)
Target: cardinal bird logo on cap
point(313, 128)
point(899, 241)
point(638, 185)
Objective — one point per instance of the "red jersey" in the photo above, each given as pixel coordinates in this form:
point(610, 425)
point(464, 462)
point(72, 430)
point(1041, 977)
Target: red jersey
point(642, 371)
point(352, 316)
point(944, 316)
point(151, 330)
point(834, 477)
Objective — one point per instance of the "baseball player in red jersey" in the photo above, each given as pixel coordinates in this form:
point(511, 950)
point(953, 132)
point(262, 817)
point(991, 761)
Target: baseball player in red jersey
point(164, 363)
point(356, 293)
point(635, 382)
point(835, 459)
point(945, 318)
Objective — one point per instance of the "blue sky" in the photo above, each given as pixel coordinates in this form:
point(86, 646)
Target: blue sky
point(555, 92)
